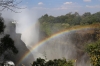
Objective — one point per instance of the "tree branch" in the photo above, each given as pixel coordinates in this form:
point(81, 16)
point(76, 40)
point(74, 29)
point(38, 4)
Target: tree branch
point(10, 5)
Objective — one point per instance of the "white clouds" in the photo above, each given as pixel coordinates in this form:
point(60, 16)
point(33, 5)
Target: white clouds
point(95, 6)
point(87, 0)
point(64, 8)
point(67, 3)
point(40, 3)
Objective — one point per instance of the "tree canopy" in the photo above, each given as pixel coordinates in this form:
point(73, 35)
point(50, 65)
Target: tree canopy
point(50, 24)
point(55, 62)
point(72, 18)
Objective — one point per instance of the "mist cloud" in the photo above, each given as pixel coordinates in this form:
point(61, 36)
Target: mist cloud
point(26, 21)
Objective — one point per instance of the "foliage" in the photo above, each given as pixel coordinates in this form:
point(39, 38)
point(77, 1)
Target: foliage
point(93, 49)
point(1, 25)
point(72, 19)
point(51, 24)
point(55, 62)
point(6, 43)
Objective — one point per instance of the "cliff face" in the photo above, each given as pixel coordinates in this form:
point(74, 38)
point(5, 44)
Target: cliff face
point(82, 37)
point(20, 45)
point(70, 45)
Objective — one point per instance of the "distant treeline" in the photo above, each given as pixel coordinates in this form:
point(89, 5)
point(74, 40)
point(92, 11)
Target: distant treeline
point(51, 24)
point(73, 19)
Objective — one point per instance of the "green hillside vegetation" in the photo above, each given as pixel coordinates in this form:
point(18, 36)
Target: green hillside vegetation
point(51, 24)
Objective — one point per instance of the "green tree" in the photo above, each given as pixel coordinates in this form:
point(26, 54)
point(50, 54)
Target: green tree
point(39, 62)
point(86, 14)
point(55, 62)
point(93, 50)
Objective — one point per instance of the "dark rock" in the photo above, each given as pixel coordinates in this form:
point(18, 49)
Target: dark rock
point(19, 44)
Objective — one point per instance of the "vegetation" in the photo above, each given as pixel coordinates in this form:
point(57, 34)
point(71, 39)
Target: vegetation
point(6, 43)
point(55, 62)
point(51, 24)
point(93, 50)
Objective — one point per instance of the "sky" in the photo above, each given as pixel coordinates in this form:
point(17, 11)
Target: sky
point(61, 7)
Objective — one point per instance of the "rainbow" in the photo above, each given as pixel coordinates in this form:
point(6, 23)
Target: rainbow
point(54, 35)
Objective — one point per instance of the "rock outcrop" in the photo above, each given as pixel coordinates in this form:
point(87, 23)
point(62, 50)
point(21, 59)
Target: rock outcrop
point(20, 45)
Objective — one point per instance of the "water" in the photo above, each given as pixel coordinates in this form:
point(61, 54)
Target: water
point(69, 45)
